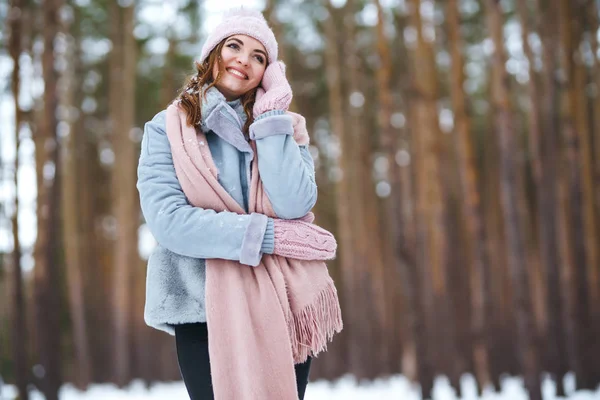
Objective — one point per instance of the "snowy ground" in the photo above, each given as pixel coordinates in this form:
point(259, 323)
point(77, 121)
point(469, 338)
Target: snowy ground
point(396, 388)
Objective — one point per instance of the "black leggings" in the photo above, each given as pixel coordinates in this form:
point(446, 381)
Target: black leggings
point(194, 364)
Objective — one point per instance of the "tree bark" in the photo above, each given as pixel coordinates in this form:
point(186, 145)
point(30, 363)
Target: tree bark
point(412, 323)
point(391, 218)
point(342, 192)
point(538, 281)
point(533, 135)
point(545, 174)
point(577, 194)
point(367, 234)
point(580, 82)
point(19, 337)
point(512, 208)
point(431, 212)
point(592, 104)
point(72, 238)
point(124, 196)
point(168, 90)
point(472, 210)
point(48, 170)
point(583, 118)
point(501, 318)
point(594, 22)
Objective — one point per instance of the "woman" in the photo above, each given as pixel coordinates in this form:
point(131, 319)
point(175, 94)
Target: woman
point(226, 186)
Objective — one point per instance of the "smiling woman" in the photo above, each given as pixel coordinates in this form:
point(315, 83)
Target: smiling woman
point(226, 185)
point(241, 66)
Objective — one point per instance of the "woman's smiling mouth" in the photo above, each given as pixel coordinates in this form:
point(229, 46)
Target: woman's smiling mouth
point(237, 73)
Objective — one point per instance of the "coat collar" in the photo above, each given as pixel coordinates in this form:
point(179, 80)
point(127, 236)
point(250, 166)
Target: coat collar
point(225, 119)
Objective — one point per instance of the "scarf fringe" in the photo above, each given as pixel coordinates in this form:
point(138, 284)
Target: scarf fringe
point(312, 327)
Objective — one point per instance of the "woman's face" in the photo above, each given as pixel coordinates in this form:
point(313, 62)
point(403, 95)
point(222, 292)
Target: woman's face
point(244, 60)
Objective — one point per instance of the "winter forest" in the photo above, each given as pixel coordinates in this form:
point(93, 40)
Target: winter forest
point(457, 148)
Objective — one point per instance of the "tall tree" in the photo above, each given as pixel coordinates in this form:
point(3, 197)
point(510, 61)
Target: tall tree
point(367, 235)
point(392, 219)
point(412, 324)
point(582, 120)
point(590, 217)
point(48, 170)
point(338, 127)
point(124, 195)
point(18, 311)
point(72, 213)
point(431, 212)
point(577, 194)
point(472, 210)
point(513, 213)
point(538, 281)
point(592, 23)
point(544, 154)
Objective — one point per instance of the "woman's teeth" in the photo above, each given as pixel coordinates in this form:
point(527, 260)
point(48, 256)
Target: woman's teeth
point(237, 73)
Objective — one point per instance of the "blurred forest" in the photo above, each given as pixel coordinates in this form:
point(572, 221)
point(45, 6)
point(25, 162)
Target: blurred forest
point(457, 145)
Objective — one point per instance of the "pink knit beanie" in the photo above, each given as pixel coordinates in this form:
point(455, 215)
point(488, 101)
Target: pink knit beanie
point(241, 21)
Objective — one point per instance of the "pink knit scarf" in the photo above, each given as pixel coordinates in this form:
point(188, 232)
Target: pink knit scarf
point(261, 320)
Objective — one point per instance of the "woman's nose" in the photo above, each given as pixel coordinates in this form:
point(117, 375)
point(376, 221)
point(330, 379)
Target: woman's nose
point(243, 59)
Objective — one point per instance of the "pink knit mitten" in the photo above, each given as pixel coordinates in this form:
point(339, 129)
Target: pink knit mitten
point(303, 241)
point(274, 92)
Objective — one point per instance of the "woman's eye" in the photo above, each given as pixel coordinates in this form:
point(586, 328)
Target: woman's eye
point(233, 46)
point(260, 59)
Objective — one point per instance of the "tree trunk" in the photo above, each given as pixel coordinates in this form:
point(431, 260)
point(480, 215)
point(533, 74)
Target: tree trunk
point(367, 235)
point(592, 104)
point(391, 218)
point(124, 196)
point(534, 121)
point(577, 193)
point(48, 170)
point(18, 311)
point(535, 257)
point(512, 208)
point(545, 149)
point(431, 212)
point(582, 115)
point(343, 192)
point(594, 22)
point(72, 237)
point(580, 82)
point(472, 210)
point(412, 323)
point(270, 15)
point(168, 90)
point(501, 318)
point(91, 183)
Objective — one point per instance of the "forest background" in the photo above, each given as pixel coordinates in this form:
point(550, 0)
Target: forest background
point(457, 150)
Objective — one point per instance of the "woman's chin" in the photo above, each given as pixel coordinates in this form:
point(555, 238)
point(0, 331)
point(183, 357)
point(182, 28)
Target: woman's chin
point(229, 91)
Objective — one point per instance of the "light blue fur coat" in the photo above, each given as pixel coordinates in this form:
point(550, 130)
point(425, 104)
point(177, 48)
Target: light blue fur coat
point(187, 235)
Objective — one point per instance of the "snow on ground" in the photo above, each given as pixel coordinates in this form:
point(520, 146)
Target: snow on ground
point(395, 388)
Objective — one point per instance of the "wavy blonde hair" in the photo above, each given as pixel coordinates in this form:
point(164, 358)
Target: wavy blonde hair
point(189, 96)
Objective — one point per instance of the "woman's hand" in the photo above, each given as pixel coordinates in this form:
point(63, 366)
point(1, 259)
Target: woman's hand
point(275, 92)
point(302, 240)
